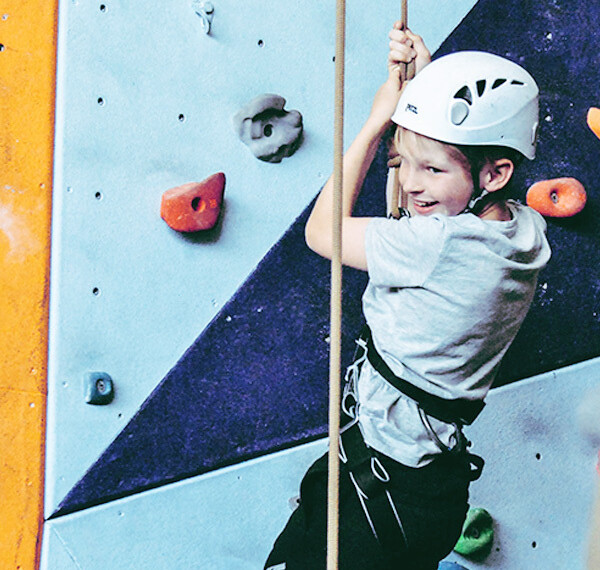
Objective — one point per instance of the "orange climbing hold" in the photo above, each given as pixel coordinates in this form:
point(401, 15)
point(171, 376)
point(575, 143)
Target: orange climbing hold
point(558, 198)
point(593, 120)
point(194, 206)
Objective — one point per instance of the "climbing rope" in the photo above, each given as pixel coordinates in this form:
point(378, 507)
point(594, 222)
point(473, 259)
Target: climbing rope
point(336, 296)
point(407, 72)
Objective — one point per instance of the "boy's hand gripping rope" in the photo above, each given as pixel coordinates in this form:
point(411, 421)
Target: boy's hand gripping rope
point(407, 72)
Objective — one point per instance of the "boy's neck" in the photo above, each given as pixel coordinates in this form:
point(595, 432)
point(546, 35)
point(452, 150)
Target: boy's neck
point(496, 211)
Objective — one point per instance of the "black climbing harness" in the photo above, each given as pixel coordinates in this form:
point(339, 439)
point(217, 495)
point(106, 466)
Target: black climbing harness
point(371, 481)
point(459, 411)
point(366, 465)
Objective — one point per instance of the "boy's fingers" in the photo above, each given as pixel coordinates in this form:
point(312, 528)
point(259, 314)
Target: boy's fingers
point(399, 36)
point(417, 42)
point(406, 55)
point(423, 56)
point(405, 47)
point(401, 46)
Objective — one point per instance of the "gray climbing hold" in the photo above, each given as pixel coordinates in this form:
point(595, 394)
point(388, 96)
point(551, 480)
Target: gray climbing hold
point(270, 132)
point(205, 11)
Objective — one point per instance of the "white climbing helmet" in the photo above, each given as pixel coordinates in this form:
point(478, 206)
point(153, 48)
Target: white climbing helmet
point(473, 98)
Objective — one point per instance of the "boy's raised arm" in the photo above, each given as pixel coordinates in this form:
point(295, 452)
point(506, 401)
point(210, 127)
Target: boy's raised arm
point(404, 47)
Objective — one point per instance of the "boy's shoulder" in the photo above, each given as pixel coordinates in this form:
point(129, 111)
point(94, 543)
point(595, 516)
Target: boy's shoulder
point(526, 214)
point(438, 226)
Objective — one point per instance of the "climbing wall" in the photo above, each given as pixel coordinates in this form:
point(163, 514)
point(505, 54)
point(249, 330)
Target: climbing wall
point(129, 294)
point(538, 466)
point(147, 100)
point(216, 342)
point(540, 473)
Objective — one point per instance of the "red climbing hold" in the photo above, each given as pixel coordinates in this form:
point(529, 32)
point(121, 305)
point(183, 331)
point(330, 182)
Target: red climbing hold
point(558, 198)
point(593, 120)
point(194, 206)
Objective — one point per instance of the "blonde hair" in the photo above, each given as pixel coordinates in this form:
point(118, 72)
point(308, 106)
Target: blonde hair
point(472, 157)
point(452, 151)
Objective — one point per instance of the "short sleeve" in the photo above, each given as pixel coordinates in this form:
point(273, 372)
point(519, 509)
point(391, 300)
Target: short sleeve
point(404, 252)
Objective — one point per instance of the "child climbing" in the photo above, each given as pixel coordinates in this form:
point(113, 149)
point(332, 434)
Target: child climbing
point(450, 283)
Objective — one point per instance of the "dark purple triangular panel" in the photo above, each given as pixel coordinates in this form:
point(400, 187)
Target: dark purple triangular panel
point(256, 379)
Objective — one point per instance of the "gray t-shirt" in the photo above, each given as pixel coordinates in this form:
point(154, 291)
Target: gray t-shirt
point(446, 297)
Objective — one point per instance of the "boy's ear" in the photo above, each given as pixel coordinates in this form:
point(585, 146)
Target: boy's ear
point(496, 174)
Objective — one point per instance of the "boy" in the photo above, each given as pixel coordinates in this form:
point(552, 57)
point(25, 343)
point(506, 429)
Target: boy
point(449, 286)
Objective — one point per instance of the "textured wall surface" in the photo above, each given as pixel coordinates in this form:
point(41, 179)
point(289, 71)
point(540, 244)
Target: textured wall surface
point(229, 518)
point(269, 341)
point(217, 343)
point(145, 101)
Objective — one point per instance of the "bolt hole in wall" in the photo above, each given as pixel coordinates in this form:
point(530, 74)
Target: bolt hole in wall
point(98, 195)
point(181, 118)
point(261, 43)
point(538, 456)
point(102, 7)
point(96, 291)
point(101, 101)
point(2, 48)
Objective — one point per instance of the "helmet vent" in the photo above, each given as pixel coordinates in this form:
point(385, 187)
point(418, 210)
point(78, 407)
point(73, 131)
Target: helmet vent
point(464, 93)
point(480, 87)
point(498, 82)
point(516, 82)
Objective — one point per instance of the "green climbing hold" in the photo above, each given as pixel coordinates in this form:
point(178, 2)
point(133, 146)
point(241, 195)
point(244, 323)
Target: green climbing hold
point(477, 535)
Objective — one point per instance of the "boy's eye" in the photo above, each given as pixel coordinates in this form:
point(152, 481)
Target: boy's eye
point(434, 169)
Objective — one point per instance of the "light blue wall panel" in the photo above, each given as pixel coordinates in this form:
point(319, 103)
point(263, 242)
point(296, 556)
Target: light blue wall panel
point(225, 520)
point(540, 473)
point(228, 520)
point(128, 295)
point(54, 548)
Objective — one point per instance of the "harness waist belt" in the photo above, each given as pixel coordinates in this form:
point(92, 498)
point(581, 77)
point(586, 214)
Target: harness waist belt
point(450, 411)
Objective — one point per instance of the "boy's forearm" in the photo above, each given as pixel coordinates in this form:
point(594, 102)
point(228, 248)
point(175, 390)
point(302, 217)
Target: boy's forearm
point(356, 163)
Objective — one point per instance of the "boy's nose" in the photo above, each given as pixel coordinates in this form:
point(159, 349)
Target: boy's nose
point(409, 181)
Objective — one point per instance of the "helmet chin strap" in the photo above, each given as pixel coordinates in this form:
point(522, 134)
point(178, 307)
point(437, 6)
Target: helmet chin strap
point(475, 200)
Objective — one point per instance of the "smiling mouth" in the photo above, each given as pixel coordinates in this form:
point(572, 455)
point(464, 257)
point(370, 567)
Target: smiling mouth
point(424, 204)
